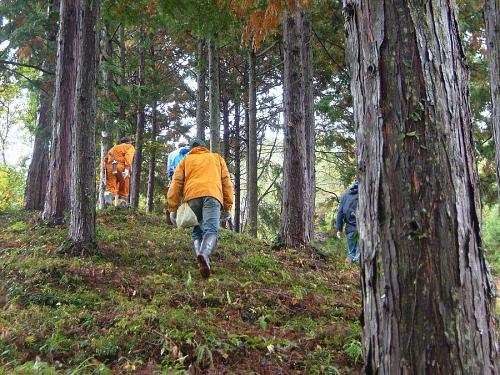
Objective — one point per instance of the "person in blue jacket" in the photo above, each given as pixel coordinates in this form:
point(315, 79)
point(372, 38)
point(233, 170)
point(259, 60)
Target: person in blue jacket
point(175, 157)
point(347, 214)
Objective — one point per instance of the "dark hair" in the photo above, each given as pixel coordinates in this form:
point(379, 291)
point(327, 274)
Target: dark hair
point(195, 142)
point(124, 140)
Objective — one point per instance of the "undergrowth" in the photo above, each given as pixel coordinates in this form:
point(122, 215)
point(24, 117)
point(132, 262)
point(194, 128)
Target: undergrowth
point(140, 305)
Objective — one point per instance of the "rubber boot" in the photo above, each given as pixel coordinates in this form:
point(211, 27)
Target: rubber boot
point(207, 246)
point(108, 198)
point(196, 247)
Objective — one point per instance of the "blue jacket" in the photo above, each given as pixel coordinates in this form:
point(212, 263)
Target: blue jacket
point(174, 158)
point(347, 210)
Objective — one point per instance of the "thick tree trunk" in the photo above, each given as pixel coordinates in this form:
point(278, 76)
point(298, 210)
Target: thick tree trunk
point(492, 17)
point(135, 182)
point(214, 107)
point(152, 162)
point(426, 294)
point(38, 173)
point(310, 134)
point(237, 167)
point(106, 118)
point(82, 186)
point(57, 196)
point(201, 78)
point(252, 146)
point(295, 212)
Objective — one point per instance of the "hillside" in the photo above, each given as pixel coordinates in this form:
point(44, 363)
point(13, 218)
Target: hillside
point(142, 307)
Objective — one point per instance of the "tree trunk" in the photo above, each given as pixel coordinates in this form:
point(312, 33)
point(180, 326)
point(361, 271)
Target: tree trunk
point(139, 134)
point(201, 77)
point(38, 173)
point(83, 175)
point(57, 196)
point(106, 118)
point(121, 82)
point(237, 167)
point(295, 212)
point(252, 146)
point(213, 77)
point(310, 134)
point(426, 295)
point(492, 17)
point(152, 162)
point(225, 126)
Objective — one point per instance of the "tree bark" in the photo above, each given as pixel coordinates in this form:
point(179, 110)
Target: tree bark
point(225, 126)
point(252, 146)
point(106, 118)
point(139, 134)
point(38, 172)
point(152, 162)
point(57, 196)
point(201, 77)
point(295, 228)
point(310, 134)
point(214, 107)
point(121, 82)
point(237, 167)
point(426, 293)
point(492, 18)
point(83, 173)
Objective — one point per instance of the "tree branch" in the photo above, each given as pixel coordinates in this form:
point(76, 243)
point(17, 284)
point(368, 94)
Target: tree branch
point(5, 62)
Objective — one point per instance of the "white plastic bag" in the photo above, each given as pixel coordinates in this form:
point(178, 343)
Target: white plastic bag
point(185, 217)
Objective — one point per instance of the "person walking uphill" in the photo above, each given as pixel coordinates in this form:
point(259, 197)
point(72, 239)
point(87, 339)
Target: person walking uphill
point(118, 162)
point(202, 180)
point(347, 214)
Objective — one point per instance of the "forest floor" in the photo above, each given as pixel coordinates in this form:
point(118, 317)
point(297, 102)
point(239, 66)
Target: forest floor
point(141, 307)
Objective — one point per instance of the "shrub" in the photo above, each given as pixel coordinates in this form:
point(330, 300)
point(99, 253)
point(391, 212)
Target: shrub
point(11, 188)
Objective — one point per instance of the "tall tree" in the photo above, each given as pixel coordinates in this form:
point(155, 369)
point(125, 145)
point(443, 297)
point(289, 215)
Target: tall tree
point(38, 172)
point(296, 219)
point(57, 196)
point(83, 174)
point(427, 298)
point(201, 79)
point(214, 107)
point(139, 133)
point(237, 166)
point(152, 161)
point(252, 145)
point(107, 78)
point(492, 17)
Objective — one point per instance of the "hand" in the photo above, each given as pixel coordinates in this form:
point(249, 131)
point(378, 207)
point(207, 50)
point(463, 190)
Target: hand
point(339, 234)
point(225, 215)
point(172, 217)
point(125, 173)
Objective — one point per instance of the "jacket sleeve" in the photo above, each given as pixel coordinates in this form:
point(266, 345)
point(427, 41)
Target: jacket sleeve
point(129, 156)
point(174, 194)
point(340, 216)
point(227, 186)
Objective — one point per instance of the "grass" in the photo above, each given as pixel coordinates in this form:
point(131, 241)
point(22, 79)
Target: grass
point(140, 306)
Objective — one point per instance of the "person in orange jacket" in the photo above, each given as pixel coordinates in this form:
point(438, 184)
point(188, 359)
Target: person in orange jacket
point(118, 162)
point(202, 180)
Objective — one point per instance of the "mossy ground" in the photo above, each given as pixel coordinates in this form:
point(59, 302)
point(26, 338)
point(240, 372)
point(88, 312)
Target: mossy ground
point(140, 306)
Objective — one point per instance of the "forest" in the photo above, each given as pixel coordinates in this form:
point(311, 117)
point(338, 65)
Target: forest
point(304, 102)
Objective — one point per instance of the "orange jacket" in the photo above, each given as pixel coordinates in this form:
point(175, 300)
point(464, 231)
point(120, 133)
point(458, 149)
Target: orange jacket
point(201, 174)
point(122, 153)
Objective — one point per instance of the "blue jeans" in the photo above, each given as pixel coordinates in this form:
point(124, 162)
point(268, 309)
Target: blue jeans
point(352, 246)
point(207, 210)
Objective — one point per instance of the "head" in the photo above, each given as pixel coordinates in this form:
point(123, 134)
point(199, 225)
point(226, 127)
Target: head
point(125, 140)
point(196, 142)
point(182, 144)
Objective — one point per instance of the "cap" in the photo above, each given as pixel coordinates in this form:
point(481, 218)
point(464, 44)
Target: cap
point(195, 142)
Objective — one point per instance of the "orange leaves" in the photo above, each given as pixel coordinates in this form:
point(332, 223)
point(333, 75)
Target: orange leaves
point(262, 19)
point(24, 51)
